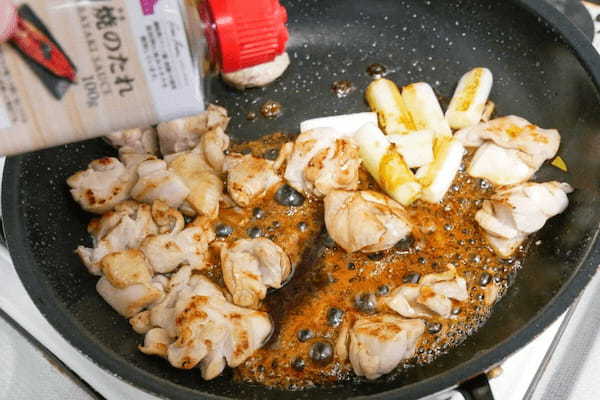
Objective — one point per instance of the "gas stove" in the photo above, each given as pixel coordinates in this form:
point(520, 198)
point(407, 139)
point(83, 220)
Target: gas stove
point(561, 363)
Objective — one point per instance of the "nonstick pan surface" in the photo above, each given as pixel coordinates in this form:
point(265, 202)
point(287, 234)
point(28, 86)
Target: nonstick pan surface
point(545, 71)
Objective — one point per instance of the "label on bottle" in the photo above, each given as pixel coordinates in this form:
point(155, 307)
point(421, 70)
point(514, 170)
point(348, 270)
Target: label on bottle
point(77, 69)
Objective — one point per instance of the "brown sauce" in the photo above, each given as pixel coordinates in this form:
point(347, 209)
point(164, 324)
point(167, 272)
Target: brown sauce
point(376, 70)
point(328, 277)
point(342, 88)
point(271, 109)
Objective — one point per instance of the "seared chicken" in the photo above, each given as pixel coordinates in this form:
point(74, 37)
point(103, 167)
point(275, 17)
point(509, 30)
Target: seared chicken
point(127, 282)
point(185, 133)
point(520, 149)
point(250, 266)
point(258, 75)
point(365, 221)
point(199, 326)
point(140, 322)
point(212, 147)
point(118, 230)
point(156, 342)
point(205, 186)
point(138, 140)
point(176, 245)
point(105, 183)
point(429, 297)
point(249, 178)
point(499, 165)
point(517, 211)
point(157, 183)
point(323, 160)
point(377, 344)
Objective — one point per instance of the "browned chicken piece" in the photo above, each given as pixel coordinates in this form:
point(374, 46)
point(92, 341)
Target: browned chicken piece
point(515, 212)
point(205, 186)
point(185, 133)
point(156, 342)
point(258, 75)
point(249, 178)
point(137, 141)
point(250, 266)
point(200, 327)
point(105, 183)
point(156, 182)
point(323, 160)
point(431, 296)
point(177, 245)
point(127, 282)
point(377, 344)
point(118, 230)
point(365, 221)
point(513, 149)
point(140, 322)
point(212, 147)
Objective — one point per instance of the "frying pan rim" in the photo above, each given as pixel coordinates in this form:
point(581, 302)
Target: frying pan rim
point(68, 327)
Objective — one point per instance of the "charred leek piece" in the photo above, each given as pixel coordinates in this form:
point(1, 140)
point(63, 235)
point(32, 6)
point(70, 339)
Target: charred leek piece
point(469, 100)
point(385, 99)
point(437, 177)
point(386, 165)
point(416, 147)
point(425, 109)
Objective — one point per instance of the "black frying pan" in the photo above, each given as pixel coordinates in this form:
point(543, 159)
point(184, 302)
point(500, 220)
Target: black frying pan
point(545, 71)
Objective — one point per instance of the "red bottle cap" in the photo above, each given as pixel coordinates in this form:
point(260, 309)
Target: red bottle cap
point(244, 33)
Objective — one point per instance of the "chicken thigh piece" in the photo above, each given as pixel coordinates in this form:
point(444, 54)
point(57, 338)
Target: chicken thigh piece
point(205, 186)
point(127, 282)
point(322, 160)
point(431, 296)
point(137, 141)
point(156, 182)
point(258, 75)
point(365, 221)
point(105, 183)
point(513, 149)
point(514, 212)
point(118, 230)
point(250, 266)
point(377, 344)
point(176, 244)
point(198, 326)
point(249, 178)
point(185, 133)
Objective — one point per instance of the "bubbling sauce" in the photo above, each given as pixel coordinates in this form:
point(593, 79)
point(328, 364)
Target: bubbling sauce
point(330, 285)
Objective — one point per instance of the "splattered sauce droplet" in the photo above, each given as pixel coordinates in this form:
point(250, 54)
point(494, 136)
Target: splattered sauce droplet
point(251, 116)
point(321, 352)
point(288, 196)
point(271, 109)
point(342, 88)
point(304, 335)
point(298, 364)
point(376, 70)
point(223, 230)
point(271, 154)
point(335, 316)
point(366, 303)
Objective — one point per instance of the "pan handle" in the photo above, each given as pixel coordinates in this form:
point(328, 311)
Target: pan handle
point(477, 388)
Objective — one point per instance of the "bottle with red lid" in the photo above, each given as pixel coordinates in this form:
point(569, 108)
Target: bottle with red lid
point(141, 62)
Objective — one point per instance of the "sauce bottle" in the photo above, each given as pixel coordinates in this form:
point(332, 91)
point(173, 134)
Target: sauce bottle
point(73, 70)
